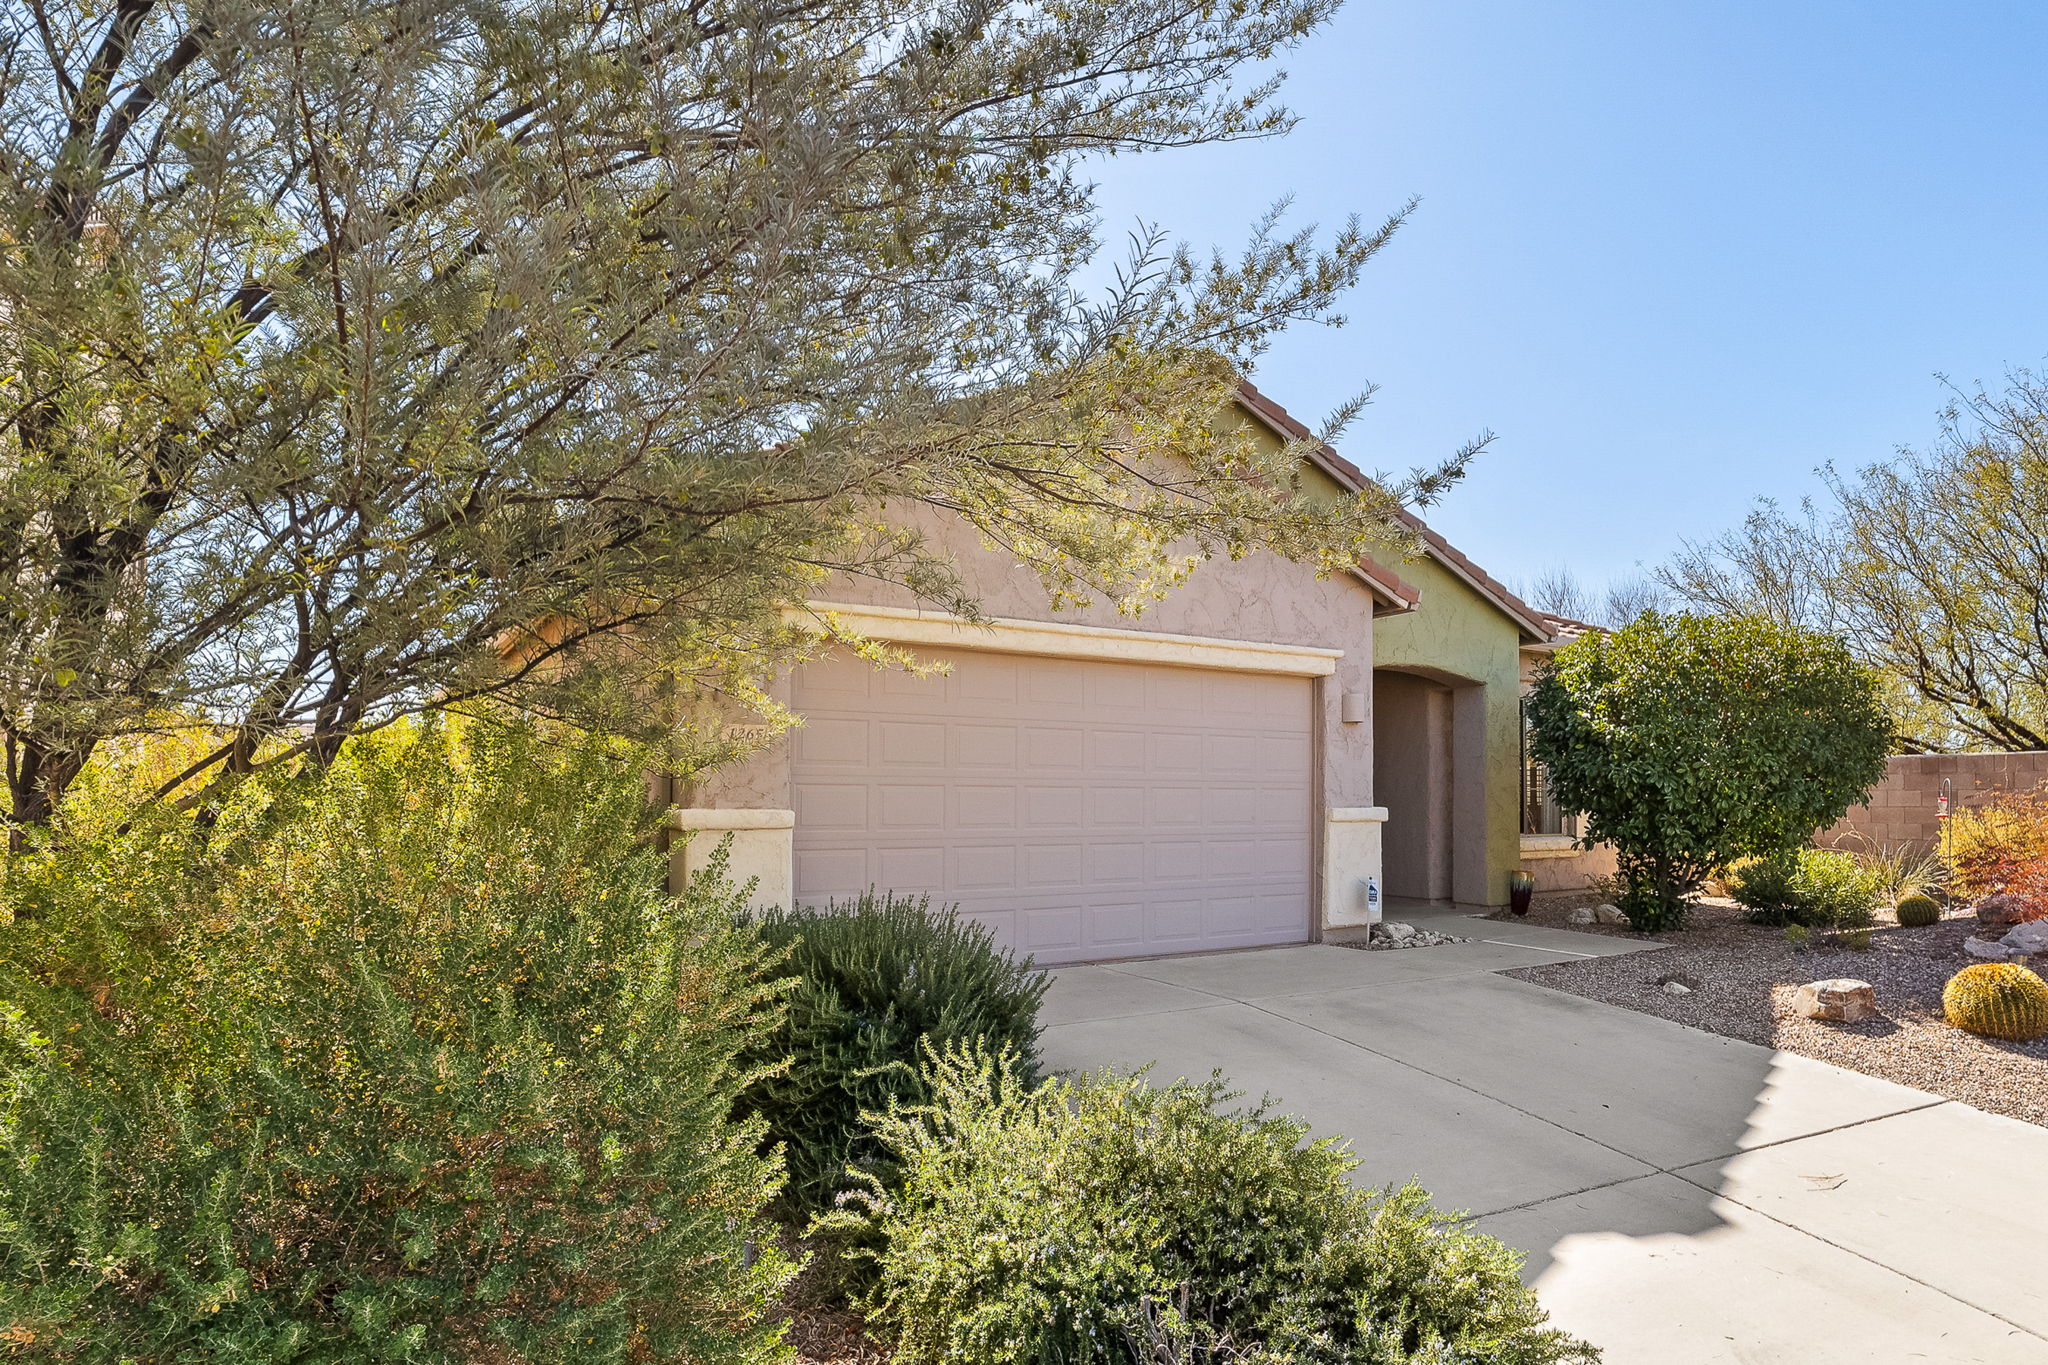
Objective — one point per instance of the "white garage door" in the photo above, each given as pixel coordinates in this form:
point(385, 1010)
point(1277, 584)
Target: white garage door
point(1082, 810)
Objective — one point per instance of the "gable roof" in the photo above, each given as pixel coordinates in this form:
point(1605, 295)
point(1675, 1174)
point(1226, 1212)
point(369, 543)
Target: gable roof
point(1526, 618)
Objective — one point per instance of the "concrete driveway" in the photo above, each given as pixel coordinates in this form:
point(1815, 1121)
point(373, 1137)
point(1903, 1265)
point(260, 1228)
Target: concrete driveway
point(1681, 1197)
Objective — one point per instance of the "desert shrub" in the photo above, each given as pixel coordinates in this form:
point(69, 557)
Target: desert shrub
point(413, 1060)
point(1689, 741)
point(1814, 887)
point(1917, 912)
point(877, 980)
point(2000, 846)
point(1997, 1000)
point(1103, 1220)
point(1898, 870)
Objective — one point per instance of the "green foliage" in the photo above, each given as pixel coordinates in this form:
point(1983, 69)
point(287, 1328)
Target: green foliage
point(1818, 888)
point(1917, 912)
point(878, 981)
point(1689, 741)
point(1103, 1221)
point(344, 353)
point(410, 1062)
point(1998, 1000)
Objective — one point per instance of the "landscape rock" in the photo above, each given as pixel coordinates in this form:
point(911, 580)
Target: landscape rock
point(1677, 988)
point(2031, 937)
point(1840, 999)
point(1581, 915)
point(1608, 914)
point(1991, 949)
point(1996, 914)
point(1395, 934)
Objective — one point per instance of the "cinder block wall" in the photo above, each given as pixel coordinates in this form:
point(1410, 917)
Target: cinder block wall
point(1902, 808)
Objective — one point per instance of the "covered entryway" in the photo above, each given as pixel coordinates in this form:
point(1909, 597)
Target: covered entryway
point(1083, 809)
point(1429, 772)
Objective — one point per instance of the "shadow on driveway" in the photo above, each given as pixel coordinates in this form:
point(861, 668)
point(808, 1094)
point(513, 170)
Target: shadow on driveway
point(1680, 1196)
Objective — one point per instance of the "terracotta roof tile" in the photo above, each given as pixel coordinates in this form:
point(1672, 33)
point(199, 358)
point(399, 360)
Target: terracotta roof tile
point(1532, 622)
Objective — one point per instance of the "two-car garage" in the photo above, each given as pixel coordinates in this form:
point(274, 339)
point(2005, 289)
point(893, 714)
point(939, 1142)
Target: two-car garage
point(1082, 808)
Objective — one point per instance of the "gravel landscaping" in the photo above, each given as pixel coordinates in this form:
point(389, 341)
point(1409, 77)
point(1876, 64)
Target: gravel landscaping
point(1740, 979)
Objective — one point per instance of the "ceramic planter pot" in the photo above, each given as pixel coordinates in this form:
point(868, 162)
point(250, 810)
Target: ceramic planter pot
point(1521, 886)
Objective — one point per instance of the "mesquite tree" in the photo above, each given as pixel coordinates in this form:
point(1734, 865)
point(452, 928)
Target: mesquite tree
point(359, 358)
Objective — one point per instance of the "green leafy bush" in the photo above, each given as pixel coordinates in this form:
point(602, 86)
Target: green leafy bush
point(411, 1061)
point(1817, 888)
point(877, 980)
point(1108, 1222)
point(1690, 741)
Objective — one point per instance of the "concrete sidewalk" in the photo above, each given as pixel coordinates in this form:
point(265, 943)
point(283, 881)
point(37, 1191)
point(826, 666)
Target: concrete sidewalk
point(1681, 1197)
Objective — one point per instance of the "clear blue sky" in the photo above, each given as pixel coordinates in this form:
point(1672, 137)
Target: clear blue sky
point(1677, 255)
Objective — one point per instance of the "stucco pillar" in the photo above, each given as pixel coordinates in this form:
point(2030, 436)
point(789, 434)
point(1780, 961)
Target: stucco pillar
point(761, 850)
point(1351, 860)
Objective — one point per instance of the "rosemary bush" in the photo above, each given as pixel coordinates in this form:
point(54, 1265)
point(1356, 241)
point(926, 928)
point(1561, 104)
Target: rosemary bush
point(879, 979)
point(1109, 1222)
point(412, 1060)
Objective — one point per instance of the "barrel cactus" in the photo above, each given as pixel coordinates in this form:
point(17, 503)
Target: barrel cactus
point(1917, 912)
point(1997, 1000)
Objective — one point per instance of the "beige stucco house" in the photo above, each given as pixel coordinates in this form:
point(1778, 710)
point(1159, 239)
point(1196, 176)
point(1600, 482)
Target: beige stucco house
point(1245, 764)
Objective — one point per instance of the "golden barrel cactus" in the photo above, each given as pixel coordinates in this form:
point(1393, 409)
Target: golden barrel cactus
point(1998, 1000)
point(1917, 912)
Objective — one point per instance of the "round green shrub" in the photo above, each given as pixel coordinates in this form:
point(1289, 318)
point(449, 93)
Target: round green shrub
point(1688, 741)
point(1108, 1222)
point(877, 981)
point(1917, 912)
point(410, 1061)
point(1814, 887)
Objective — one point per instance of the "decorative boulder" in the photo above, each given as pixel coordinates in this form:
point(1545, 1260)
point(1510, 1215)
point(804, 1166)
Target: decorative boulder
point(1842, 1000)
point(1580, 915)
point(1991, 949)
point(2028, 938)
point(1996, 914)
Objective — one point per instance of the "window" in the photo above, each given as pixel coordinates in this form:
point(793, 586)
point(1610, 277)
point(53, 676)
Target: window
point(1540, 811)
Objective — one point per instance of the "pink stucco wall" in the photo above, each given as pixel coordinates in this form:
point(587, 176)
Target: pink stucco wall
point(1262, 598)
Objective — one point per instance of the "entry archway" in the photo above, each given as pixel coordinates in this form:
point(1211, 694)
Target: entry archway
point(1429, 772)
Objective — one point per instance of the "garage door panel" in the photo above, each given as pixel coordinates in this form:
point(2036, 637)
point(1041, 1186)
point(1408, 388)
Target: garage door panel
point(920, 808)
point(1081, 809)
point(985, 807)
point(834, 873)
point(1053, 750)
point(1050, 808)
point(911, 869)
point(1049, 866)
point(985, 746)
point(1050, 929)
point(823, 807)
point(986, 868)
point(829, 740)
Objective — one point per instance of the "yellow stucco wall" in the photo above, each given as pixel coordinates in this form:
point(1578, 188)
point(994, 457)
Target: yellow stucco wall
point(1458, 637)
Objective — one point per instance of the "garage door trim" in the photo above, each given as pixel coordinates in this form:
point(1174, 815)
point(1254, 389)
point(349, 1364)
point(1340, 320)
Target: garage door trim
point(1062, 639)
